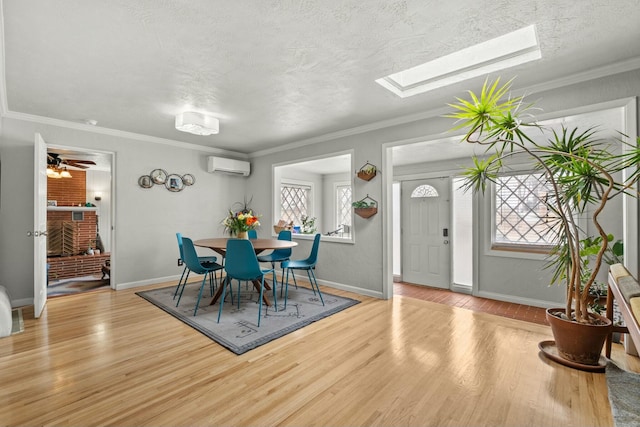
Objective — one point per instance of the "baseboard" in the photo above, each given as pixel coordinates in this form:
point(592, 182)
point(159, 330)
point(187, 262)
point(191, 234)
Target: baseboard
point(461, 289)
point(129, 285)
point(350, 288)
point(519, 300)
point(24, 302)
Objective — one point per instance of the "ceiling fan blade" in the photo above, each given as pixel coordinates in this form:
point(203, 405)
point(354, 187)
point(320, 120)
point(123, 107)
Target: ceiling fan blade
point(86, 162)
point(76, 165)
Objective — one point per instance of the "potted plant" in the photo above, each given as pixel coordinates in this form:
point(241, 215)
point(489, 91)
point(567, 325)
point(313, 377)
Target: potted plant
point(367, 172)
point(366, 207)
point(308, 224)
point(580, 170)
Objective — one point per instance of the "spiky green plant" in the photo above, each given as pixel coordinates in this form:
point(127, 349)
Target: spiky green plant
point(579, 167)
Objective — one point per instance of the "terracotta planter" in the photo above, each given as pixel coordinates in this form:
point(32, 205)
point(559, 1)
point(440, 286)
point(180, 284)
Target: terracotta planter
point(577, 342)
point(366, 212)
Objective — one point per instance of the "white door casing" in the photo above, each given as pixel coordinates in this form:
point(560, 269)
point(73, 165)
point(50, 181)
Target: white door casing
point(426, 256)
point(39, 232)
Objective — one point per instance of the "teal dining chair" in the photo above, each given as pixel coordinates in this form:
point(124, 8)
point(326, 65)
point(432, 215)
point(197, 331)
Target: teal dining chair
point(242, 265)
point(308, 264)
point(202, 259)
point(278, 255)
point(193, 263)
point(252, 234)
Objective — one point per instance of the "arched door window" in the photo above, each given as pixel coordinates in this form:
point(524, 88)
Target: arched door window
point(424, 191)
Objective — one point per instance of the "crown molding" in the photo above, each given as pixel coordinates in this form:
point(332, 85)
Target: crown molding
point(119, 133)
point(595, 73)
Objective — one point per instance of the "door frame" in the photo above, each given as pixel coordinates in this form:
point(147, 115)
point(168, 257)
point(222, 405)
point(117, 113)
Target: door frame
point(112, 210)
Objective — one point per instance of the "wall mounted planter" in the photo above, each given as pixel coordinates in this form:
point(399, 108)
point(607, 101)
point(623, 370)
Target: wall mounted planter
point(367, 172)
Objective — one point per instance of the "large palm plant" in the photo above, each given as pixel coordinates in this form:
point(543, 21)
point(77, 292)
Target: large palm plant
point(579, 167)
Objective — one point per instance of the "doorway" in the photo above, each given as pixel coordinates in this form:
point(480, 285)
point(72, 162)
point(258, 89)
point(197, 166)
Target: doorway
point(79, 218)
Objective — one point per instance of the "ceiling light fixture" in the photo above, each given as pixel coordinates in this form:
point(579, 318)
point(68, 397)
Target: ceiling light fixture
point(197, 124)
point(65, 173)
point(503, 52)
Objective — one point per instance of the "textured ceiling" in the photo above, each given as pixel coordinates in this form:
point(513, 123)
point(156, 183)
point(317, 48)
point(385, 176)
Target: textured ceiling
point(281, 71)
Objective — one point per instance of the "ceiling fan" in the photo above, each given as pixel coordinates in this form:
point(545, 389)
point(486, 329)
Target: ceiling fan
point(54, 159)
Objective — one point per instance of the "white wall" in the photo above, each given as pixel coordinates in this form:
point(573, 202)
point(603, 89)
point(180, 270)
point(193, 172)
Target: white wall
point(145, 220)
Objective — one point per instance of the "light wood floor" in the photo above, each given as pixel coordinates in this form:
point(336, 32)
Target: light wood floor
point(112, 358)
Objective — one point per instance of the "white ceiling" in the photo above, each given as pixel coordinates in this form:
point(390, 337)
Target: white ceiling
point(277, 72)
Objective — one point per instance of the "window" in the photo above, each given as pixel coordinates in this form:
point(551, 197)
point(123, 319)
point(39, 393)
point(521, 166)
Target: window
point(295, 201)
point(522, 219)
point(343, 208)
point(320, 188)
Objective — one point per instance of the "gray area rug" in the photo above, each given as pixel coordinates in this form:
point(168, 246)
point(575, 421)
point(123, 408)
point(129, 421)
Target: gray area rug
point(624, 396)
point(238, 330)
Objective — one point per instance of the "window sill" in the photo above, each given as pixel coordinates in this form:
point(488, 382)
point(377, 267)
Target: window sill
point(522, 253)
point(324, 238)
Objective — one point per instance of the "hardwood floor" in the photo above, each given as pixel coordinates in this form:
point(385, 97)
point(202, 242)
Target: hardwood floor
point(112, 358)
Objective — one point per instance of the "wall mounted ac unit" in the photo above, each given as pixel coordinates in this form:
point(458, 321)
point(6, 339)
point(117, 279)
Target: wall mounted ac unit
point(230, 166)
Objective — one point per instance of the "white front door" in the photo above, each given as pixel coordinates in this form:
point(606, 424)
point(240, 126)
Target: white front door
point(39, 232)
point(425, 232)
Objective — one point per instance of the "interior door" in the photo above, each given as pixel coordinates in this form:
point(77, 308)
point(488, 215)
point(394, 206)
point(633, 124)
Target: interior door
point(426, 257)
point(39, 233)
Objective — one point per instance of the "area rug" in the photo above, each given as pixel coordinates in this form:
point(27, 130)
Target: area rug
point(238, 329)
point(76, 285)
point(624, 396)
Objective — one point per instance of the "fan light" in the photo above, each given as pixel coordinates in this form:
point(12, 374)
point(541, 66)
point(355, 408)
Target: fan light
point(197, 124)
point(65, 173)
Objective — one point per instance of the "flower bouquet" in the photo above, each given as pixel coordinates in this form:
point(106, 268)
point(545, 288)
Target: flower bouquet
point(237, 224)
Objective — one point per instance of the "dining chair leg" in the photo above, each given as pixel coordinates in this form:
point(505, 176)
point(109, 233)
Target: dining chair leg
point(286, 290)
point(183, 286)
point(179, 282)
point(275, 291)
point(311, 274)
point(260, 303)
point(204, 280)
point(224, 294)
point(238, 296)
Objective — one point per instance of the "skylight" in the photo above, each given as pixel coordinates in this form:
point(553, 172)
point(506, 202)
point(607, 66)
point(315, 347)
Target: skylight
point(509, 50)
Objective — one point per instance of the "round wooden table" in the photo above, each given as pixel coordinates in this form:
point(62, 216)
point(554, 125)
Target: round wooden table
point(219, 244)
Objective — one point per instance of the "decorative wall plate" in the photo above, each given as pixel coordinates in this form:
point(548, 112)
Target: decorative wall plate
point(145, 181)
point(159, 176)
point(174, 182)
point(188, 179)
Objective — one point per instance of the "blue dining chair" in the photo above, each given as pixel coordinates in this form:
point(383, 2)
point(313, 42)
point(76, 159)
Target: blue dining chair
point(252, 234)
point(278, 255)
point(193, 263)
point(307, 264)
point(242, 265)
point(202, 259)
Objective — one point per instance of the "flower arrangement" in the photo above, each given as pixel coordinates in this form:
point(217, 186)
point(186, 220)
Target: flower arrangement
point(240, 222)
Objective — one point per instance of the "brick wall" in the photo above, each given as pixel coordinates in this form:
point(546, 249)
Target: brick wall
point(68, 191)
point(76, 266)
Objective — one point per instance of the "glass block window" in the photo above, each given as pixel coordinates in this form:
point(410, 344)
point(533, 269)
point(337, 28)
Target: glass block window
point(424, 191)
point(343, 205)
point(295, 201)
point(522, 216)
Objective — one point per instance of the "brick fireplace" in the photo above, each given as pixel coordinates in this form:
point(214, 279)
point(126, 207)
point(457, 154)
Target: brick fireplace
point(72, 230)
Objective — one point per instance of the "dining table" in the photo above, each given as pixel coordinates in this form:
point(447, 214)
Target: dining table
point(219, 245)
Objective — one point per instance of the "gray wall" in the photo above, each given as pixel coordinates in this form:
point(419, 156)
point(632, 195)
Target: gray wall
point(360, 265)
point(145, 220)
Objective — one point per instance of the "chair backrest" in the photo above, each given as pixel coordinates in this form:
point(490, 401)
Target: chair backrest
point(283, 253)
point(190, 257)
point(241, 261)
point(253, 234)
point(313, 256)
point(179, 236)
